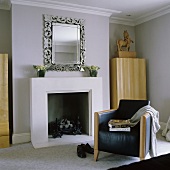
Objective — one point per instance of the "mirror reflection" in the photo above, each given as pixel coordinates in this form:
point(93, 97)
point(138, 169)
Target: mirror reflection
point(64, 43)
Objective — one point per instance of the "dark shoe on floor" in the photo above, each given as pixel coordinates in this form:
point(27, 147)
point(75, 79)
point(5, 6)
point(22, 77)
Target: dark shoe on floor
point(80, 151)
point(87, 148)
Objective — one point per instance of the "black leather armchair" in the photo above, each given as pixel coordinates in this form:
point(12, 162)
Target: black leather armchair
point(134, 143)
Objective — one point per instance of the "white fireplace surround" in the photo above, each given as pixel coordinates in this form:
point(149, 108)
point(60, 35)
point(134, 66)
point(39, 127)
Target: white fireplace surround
point(41, 87)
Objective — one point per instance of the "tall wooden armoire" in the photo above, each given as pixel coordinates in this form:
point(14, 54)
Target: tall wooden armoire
point(4, 120)
point(128, 79)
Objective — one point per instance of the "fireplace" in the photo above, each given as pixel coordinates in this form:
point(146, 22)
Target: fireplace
point(87, 88)
point(73, 107)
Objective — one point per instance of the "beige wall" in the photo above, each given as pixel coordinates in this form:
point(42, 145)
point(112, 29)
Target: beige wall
point(5, 32)
point(153, 43)
point(27, 49)
point(6, 47)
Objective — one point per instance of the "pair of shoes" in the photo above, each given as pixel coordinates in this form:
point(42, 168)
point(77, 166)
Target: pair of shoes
point(87, 148)
point(80, 151)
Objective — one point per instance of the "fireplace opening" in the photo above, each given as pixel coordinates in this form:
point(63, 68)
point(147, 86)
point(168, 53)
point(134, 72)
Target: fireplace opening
point(72, 106)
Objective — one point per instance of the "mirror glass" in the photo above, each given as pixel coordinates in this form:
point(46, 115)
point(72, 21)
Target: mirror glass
point(64, 43)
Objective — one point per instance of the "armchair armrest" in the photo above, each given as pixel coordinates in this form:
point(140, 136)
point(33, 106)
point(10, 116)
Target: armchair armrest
point(101, 117)
point(105, 115)
point(145, 132)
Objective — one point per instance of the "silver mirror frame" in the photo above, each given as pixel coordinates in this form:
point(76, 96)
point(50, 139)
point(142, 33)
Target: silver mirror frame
point(49, 20)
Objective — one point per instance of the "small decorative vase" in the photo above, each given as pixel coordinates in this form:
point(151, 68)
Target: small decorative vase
point(41, 73)
point(93, 73)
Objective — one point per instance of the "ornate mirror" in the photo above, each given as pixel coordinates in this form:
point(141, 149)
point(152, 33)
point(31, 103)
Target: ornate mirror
point(64, 43)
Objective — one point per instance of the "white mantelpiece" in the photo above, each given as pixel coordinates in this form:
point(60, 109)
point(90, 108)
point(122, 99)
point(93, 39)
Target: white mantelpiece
point(41, 87)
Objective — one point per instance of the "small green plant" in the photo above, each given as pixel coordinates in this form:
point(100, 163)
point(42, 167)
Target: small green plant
point(90, 68)
point(41, 67)
point(93, 70)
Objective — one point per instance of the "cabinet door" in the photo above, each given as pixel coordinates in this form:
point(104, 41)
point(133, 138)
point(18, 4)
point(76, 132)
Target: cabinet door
point(128, 79)
point(4, 123)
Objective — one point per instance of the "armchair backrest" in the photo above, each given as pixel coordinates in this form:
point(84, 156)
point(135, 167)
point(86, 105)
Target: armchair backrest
point(127, 108)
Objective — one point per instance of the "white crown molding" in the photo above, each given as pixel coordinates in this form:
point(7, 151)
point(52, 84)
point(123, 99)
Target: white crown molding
point(142, 19)
point(66, 6)
point(92, 10)
point(152, 15)
point(122, 21)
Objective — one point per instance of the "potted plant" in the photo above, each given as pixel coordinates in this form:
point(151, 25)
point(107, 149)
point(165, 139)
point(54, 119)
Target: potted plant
point(41, 70)
point(93, 70)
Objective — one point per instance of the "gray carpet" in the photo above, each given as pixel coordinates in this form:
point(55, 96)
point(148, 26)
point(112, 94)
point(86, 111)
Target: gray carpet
point(64, 157)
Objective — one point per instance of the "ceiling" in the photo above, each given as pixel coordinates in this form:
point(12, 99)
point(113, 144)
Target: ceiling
point(130, 12)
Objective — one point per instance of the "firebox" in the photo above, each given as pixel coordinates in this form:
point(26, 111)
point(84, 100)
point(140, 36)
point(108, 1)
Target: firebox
point(69, 112)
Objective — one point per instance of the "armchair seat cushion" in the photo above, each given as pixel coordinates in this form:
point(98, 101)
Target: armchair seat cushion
point(125, 143)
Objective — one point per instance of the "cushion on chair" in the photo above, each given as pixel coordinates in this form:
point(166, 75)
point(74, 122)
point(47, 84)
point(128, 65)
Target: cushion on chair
point(126, 143)
point(127, 108)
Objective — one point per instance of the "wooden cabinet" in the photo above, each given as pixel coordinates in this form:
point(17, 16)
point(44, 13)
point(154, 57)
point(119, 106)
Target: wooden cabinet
point(4, 121)
point(128, 79)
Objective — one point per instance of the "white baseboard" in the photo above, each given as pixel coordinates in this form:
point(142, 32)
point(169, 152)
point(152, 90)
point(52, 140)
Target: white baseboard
point(26, 137)
point(21, 138)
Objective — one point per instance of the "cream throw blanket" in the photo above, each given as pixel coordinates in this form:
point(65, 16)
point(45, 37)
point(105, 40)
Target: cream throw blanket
point(154, 123)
